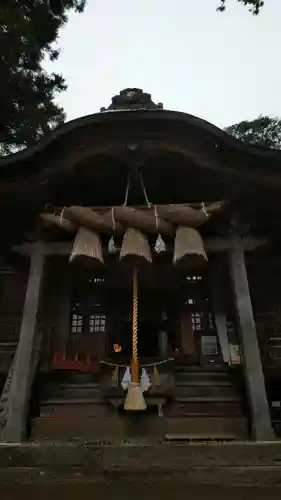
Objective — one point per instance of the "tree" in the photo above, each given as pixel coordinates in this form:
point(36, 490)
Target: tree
point(28, 29)
point(263, 131)
point(254, 5)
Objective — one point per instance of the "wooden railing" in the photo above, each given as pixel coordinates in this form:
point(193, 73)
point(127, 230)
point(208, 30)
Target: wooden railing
point(76, 362)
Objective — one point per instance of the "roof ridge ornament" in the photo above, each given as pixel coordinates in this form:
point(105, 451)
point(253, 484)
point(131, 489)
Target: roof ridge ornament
point(132, 99)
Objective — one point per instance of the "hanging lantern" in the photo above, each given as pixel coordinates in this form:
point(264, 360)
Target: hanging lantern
point(117, 348)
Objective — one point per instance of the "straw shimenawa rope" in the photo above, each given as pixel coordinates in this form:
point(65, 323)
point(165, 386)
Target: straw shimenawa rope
point(147, 365)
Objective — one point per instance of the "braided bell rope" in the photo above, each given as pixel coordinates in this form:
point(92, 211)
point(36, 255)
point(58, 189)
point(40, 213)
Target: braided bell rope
point(135, 316)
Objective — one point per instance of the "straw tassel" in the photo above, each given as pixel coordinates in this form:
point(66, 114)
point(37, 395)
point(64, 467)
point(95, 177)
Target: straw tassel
point(156, 381)
point(87, 248)
point(189, 250)
point(135, 248)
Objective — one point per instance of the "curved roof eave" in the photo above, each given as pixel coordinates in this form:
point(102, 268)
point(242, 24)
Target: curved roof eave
point(116, 116)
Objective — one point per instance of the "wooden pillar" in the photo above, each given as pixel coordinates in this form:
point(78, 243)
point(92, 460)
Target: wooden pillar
point(20, 383)
point(64, 314)
point(163, 343)
point(188, 346)
point(219, 309)
point(261, 422)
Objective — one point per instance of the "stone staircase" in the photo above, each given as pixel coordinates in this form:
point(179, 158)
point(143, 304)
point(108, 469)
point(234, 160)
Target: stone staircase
point(210, 401)
point(67, 402)
point(73, 394)
point(207, 405)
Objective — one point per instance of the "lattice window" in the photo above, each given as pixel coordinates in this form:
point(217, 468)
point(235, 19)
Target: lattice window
point(193, 279)
point(197, 321)
point(96, 280)
point(97, 323)
point(76, 324)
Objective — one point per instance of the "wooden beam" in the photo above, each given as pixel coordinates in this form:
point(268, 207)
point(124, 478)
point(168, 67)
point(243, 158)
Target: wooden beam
point(14, 428)
point(261, 422)
point(249, 243)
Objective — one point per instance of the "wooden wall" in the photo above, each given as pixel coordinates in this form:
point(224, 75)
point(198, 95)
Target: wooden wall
point(53, 315)
point(55, 307)
point(12, 294)
point(54, 312)
point(265, 286)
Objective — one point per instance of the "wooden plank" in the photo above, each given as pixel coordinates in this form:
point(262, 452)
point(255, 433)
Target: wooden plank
point(188, 347)
point(199, 437)
point(249, 243)
point(261, 422)
point(20, 380)
point(218, 309)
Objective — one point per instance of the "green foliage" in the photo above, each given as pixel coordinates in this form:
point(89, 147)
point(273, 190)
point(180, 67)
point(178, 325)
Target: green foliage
point(263, 131)
point(28, 29)
point(254, 5)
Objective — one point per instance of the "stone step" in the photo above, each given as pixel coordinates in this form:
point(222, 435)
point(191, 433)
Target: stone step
point(63, 376)
point(207, 399)
point(72, 391)
point(205, 391)
point(203, 436)
point(150, 428)
point(73, 384)
point(72, 401)
point(203, 383)
point(200, 369)
point(183, 380)
point(197, 376)
point(193, 408)
point(77, 408)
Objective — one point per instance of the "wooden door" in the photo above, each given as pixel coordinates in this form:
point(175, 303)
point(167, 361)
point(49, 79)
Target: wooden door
point(199, 341)
point(88, 321)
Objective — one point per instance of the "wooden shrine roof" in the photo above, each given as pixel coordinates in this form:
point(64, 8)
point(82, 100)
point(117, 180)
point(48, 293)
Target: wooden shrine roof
point(176, 124)
point(182, 158)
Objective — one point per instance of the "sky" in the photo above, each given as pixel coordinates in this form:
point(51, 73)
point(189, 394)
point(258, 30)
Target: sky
point(221, 67)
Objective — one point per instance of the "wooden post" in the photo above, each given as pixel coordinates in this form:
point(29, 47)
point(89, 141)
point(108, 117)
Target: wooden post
point(188, 345)
point(18, 395)
point(64, 308)
point(218, 309)
point(261, 422)
point(163, 343)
